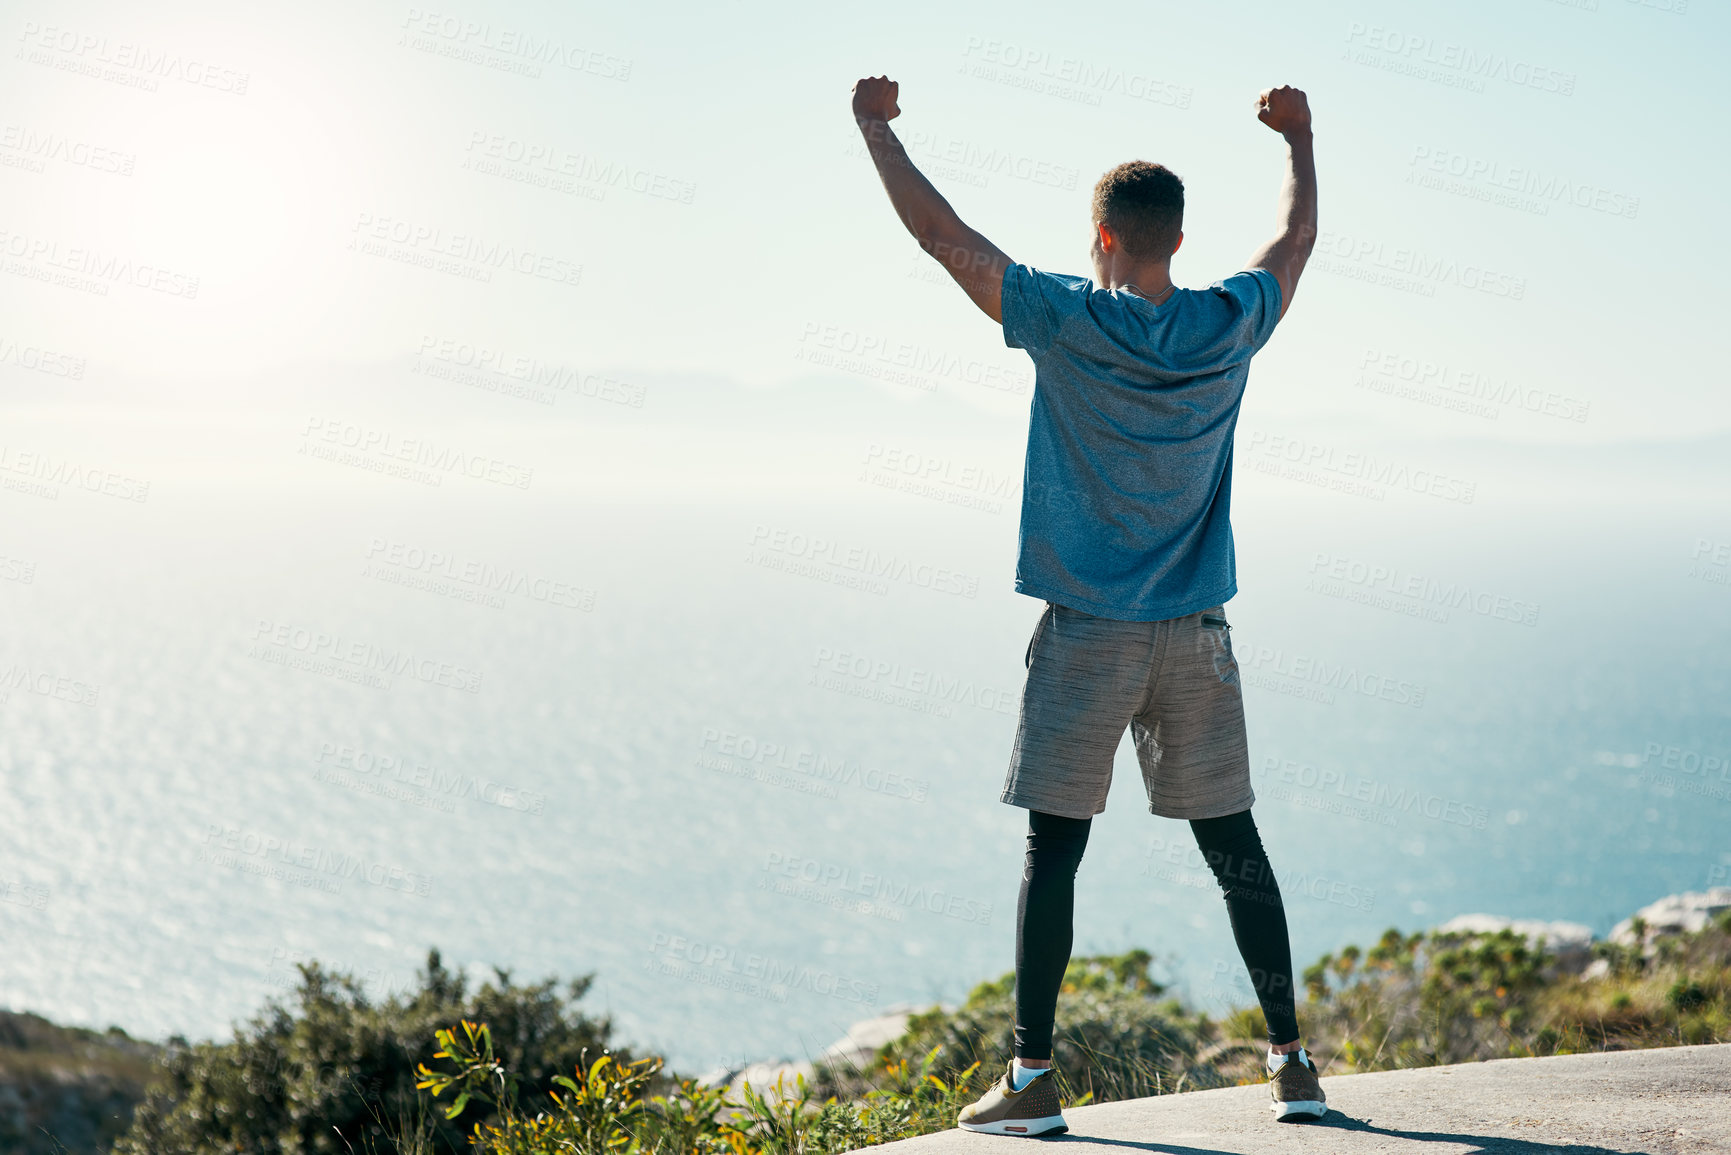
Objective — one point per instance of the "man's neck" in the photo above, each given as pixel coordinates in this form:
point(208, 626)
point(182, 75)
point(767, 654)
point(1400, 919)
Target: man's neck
point(1151, 281)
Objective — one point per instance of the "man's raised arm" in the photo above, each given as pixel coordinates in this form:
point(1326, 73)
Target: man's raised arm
point(1287, 112)
point(976, 263)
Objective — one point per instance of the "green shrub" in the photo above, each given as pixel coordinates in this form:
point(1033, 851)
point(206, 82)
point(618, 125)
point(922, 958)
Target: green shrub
point(517, 1070)
point(609, 1108)
point(1435, 998)
point(67, 1089)
point(1117, 1038)
point(333, 1071)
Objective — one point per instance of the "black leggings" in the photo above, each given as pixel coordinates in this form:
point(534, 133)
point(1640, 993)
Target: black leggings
point(1232, 849)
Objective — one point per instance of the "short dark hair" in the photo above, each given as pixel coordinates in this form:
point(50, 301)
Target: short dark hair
point(1144, 204)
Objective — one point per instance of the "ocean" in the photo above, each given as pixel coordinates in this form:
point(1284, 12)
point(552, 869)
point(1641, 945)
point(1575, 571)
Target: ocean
point(712, 699)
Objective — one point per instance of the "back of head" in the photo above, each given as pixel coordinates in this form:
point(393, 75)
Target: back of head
point(1143, 204)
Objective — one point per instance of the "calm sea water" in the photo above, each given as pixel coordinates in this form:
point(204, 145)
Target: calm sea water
point(687, 753)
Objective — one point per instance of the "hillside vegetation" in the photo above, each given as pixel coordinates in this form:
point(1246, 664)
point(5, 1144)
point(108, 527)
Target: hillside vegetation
point(510, 1069)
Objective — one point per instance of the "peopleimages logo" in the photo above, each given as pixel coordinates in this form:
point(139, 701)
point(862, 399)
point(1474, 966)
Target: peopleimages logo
point(1260, 665)
point(40, 360)
point(888, 679)
point(283, 642)
point(1373, 578)
point(1397, 373)
point(24, 894)
point(17, 569)
point(18, 676)
point(970, 163)
point(902, 362)
point(510, 49)
point(1357, 788)
point(253, 852)
point(538, 163)
point(358, 767)
point(1493, 176)
point(403, 563)
point(1359, 468)
point(1182, 855)
point(462, 253)
point(1711, 561)
point(937, 479)
point(90, 269)
point(1415, 268)
point(496, 370)
point(330, 438)
point(1066, 77)
point(1706, 775)
point(34, 149)
point(1686, 761)
point(939, 470)
point(867, 563)
point(46, 468)
point(1445, 61)
point(748, 750)
point(135, 65)
point(714, 964)
point(876, 887)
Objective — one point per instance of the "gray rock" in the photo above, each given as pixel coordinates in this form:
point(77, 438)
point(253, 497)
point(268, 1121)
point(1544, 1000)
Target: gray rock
point(854, 1049)
point(1570, 943)
point(1674, 914)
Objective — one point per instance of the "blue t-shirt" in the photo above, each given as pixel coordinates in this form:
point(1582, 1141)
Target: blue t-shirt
point(1127, 491)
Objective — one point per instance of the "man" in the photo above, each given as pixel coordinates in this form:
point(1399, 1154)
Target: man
point(1126, 536)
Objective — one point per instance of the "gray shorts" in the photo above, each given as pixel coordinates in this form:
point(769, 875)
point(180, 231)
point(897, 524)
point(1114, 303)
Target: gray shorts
point(1174, 683)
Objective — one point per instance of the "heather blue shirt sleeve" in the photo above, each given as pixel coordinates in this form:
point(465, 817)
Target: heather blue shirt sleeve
point(1257, 294)
point(1035, 306)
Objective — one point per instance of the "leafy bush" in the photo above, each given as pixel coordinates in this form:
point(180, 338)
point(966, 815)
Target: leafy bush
point(1116, 1038)
point(1426, 999)
point(67, 1088)
point(609, 1108)
point(516, 1070)
point(336, 1072)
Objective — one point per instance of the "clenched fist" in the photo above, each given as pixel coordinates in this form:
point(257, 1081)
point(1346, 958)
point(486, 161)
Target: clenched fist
point(1284, 109)
point(874, 98)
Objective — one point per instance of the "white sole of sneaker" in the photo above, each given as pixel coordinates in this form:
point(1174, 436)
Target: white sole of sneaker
point(1299, 1110)
point(1028, 1128)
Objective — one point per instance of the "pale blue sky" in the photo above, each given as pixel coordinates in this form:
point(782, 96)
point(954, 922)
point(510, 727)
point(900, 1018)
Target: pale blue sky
point(746, 105)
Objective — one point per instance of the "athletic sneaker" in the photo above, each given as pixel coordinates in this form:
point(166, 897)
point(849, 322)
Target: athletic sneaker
point(1297, 1092)
point(1003, 1110)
